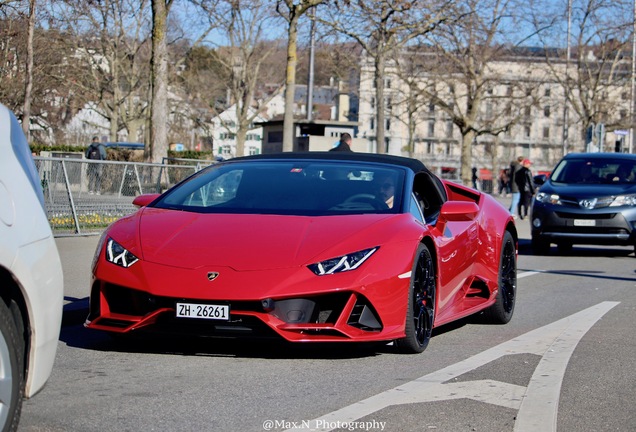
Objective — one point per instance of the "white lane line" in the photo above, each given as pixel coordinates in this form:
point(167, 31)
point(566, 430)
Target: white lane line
point(528, 273)
point(539, 408)
point(537, 404)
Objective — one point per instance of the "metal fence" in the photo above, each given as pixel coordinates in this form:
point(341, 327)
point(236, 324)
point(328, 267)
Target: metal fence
point(82, 197)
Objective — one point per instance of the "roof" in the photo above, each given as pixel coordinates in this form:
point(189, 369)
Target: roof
point(601, 156)
point(412, 164)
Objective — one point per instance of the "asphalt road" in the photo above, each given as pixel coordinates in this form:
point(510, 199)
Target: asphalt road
point(566, 361)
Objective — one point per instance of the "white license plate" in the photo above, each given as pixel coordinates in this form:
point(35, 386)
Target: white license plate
point(203, 311)
point(584, 222)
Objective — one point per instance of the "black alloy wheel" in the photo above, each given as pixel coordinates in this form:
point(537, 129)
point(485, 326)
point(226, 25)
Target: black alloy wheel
point(420, 312)
point(503, 308)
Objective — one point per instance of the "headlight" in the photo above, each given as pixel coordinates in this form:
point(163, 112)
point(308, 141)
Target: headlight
point(117, 254)
point(548, 198)
point(342, 263)
point(624, 200)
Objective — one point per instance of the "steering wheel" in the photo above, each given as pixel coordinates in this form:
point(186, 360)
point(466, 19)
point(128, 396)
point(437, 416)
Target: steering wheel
point(366, 198)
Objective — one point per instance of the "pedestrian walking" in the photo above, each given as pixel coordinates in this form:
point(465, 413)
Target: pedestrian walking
point(515, 165)
point(95, 151)
point(525, 184)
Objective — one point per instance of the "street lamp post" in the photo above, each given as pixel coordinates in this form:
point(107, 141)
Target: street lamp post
point(633, 83)
point(567, 82)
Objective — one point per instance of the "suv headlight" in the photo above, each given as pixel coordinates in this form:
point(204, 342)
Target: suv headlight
point(543, 197)
point(624, 200)
point(117, 254)
point(342, 263)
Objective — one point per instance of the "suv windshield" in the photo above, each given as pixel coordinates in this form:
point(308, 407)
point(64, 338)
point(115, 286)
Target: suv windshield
point(601, 171)
point(290, 187)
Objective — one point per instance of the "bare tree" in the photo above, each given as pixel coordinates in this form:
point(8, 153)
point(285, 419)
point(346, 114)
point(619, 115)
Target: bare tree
point(249, 80)
point(382, 28)
point(108, 58)
point(159, 68)
point(292, 12)
point(596, 67)
point(462, 81)
point(28, 87)
point(31, 89)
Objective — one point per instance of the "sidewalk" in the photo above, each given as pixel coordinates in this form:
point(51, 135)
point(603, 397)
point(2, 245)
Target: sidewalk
point(523, 226)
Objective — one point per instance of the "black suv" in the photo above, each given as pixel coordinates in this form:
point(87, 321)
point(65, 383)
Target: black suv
point(589, 198)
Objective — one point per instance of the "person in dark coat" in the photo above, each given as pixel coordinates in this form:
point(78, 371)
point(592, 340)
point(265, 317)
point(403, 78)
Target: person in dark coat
point(525, 183)
point(344, 144)
point(95, 151)
point(515, 165)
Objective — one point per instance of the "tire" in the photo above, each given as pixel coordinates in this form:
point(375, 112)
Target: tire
point(503, 308)
point(420, 309)
point(540, 246)
point(11, 371)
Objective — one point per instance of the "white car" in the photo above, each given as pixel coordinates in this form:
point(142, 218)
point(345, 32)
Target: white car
point(31, 279)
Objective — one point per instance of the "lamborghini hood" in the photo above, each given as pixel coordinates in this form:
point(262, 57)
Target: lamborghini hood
point(252, 242)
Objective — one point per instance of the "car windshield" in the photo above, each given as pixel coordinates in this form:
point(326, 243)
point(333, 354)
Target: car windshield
point(290, 188)
point(600, 171)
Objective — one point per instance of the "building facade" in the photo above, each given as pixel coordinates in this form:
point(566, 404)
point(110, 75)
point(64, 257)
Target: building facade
point(524, 109)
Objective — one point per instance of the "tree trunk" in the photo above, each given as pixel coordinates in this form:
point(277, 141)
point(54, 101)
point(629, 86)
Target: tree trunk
point(467, 157)
point(379, 103)
point(159, 71)
point(26, 110)
point(290, 82)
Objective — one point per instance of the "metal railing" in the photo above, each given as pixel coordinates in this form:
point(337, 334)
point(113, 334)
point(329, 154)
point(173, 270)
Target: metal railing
point(82, 196)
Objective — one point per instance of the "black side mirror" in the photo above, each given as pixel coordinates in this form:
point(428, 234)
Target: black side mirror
point(540, 179)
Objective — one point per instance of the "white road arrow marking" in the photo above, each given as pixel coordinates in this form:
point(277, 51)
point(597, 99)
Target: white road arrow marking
point(537, 403)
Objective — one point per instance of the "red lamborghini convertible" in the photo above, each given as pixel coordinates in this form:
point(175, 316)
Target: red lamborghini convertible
point(310, 247)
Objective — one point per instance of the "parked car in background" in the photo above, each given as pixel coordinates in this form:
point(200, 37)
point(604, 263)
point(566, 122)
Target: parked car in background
point(31, 280)
point(307, 247)
point(589, 198)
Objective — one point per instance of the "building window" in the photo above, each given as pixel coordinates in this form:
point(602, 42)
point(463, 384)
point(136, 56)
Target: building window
point(547, 92)
point(388, 124)
point(373, 103)
point(528, 111)
point(449, 129)
point(546, 111)
point(508, 109)
point(431, 108)
point(372, 123)
point(526, 131)
point(431, 128)
point(448, 149)
point(488, 110)
point(546, 132)
point(429, 147)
